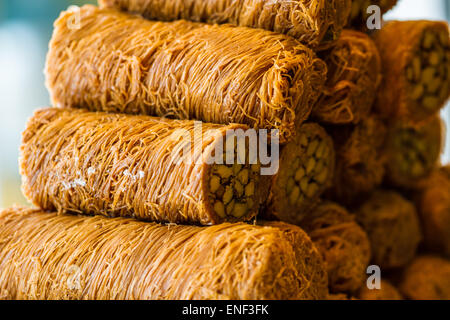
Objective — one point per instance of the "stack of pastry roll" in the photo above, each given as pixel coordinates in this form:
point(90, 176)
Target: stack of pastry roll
point(344, 107)
point(124, 152)
point(388, 161)
point(144, 189)
point(215, 73)
point(406, 218)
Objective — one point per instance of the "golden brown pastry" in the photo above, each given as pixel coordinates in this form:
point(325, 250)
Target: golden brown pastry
point(433, 203)
point(354, 74)
point(47, 256)
point(306, 170)
point(118, 62)
point(393, 227)
point(314, 23)
point(148, 168)
point(412, 152)
point(345, 247)
point(427, 278)
point(416, 62)
point(317, 285)
point(360, 160)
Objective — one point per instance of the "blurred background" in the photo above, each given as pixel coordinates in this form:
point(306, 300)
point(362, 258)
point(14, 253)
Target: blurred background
point(25, 30)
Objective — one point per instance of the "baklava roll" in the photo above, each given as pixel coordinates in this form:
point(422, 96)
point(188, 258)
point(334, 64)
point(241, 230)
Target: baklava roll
point(393, 226)
point(416, 61)
point(149, 168)
point(224, 74)
point(344, 245)
point(360, 160)
point(354, 74)
point(306, 170)
point(427, 278)
point(47, 256)
point(304, 247)
point(314, 23)
point(433, 203)
point(412, 152)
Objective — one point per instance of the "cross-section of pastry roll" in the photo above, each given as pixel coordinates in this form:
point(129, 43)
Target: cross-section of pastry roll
point(118, 62)
point(354, 74)
point(412, 152)
point(416, 61)
point(47, 256)
point(314, 23)
point(316, 278)
point(360, 160)
point(150, 168)
point(393, 226)
point(306, 170)
point(343, 244)
point(359, 15)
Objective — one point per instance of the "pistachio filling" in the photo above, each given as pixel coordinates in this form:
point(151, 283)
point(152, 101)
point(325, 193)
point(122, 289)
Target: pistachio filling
point(428, 73)
point(232, 188)
point(411, 155)
point(310, 171)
